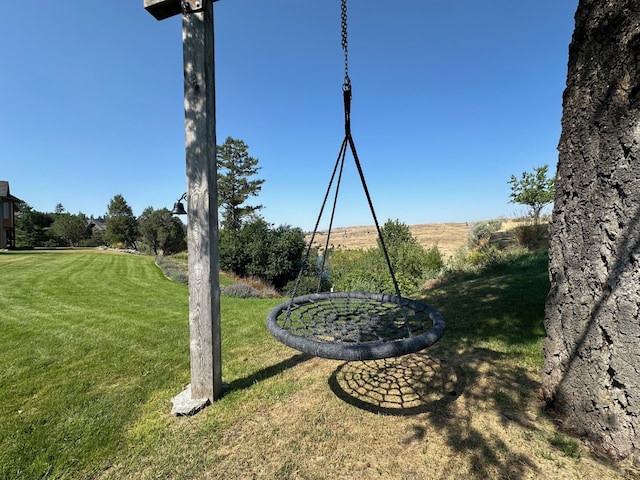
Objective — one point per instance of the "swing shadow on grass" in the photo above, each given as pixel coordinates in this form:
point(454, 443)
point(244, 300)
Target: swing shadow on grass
point(403, 386)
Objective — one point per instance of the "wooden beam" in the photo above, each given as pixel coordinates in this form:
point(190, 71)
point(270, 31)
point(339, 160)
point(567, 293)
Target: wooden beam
point(162, 9)
point(202, 198)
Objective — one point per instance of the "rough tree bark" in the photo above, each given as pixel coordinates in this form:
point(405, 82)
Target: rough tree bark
point(591, 375)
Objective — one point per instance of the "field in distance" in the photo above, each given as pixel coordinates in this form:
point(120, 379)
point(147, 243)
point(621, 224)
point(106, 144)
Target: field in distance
point(449, 237)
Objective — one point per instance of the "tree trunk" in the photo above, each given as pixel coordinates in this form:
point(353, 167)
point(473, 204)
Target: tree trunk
point(591, 375)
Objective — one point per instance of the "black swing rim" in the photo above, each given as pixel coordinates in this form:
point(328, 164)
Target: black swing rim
point(356, 351)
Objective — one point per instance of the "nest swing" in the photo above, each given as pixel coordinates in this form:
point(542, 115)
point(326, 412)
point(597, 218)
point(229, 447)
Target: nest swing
point(353, 325)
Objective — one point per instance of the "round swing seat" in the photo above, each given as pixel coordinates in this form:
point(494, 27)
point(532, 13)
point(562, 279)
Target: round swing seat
point(355, 325)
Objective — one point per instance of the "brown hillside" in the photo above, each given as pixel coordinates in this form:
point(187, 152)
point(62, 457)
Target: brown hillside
point(449, 237)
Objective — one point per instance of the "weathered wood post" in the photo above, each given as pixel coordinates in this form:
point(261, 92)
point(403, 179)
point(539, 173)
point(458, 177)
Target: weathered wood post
point(202, 199)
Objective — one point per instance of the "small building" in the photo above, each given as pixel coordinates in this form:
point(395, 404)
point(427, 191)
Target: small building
point(9, 205)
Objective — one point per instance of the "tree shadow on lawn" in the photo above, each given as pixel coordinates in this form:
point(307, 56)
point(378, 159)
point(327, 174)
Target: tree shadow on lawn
point(494, 324)
point(502, 305)
point(451, 395)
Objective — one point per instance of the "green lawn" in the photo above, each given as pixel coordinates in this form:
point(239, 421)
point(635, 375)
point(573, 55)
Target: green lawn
point(91, 341)
point(95, 344)
point(501, 309)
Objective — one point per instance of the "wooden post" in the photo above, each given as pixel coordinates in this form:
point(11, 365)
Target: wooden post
point(202, 200)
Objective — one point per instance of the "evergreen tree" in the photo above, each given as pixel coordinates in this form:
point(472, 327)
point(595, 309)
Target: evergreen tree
point(68, 229)
point(122, 226)
point(162, 231)
point(31, 227)
point(235, 169)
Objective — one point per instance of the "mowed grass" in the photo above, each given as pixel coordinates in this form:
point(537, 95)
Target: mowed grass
point(87, 340)
point(95, 344)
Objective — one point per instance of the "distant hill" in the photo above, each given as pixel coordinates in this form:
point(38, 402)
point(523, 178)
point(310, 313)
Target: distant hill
point(449, 237)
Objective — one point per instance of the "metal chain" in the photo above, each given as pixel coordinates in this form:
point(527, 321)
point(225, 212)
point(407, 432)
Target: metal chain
point(345, 44)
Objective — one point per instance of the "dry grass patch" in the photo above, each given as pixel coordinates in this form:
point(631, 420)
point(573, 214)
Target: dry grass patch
point(449, 237)
point(475, 416)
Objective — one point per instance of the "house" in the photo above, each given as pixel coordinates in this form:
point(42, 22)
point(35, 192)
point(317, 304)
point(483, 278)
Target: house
point(97, 224)
point(9, 205)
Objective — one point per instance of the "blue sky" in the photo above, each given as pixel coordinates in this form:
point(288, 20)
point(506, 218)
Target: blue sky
point(450, 98)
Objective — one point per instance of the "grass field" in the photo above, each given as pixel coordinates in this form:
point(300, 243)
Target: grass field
point(95, 344)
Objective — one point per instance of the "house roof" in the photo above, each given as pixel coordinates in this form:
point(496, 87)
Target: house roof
point(4, 192)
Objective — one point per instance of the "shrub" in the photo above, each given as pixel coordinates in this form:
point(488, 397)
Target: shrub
point(240, 290)
point(308, 285)
point(433, 260)
point(358, 270)
point(530, 236)
point(458, 262)
point(172, 270)
point(269, 292)
point(244, 290)
point(482, 232)
point(485, 255)
point(179, 275)
point(273, 255)
point(367, 270)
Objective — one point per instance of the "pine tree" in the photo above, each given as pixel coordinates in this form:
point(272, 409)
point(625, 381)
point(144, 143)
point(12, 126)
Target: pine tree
point(235, 168)
point(122, 226)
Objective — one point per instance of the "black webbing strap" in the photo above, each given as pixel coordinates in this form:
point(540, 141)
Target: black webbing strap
point(347, 127)
point(348, 140)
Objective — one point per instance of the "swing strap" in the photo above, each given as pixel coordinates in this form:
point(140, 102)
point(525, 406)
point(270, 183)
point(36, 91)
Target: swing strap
point(346, 95)
point(338, 168)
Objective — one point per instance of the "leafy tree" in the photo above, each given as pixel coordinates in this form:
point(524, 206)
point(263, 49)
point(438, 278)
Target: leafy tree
point(412, 264)
point(162, 231)
point(59, 209)
point(235, 169)
point(174, 239)
point(150, 225)
point(367, 270)
point(396, 234)
point(68, 229)
point(97, 238)
point(122, 226)
point(534, 190)
point(31, 227)
point(273, 255)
